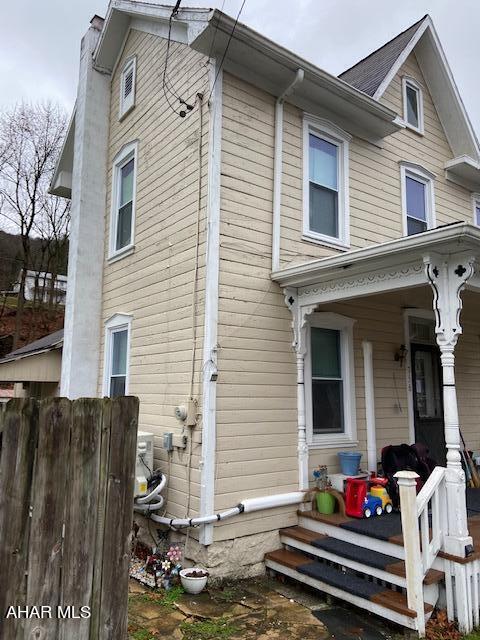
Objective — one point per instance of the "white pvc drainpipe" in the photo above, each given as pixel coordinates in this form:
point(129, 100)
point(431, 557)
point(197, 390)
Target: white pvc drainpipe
point(144, 506)
point(277, 168)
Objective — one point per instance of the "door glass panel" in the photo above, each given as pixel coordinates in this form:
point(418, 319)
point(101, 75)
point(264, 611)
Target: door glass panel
point(427, 397)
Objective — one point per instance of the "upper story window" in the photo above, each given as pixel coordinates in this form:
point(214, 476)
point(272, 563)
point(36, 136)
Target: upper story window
point(330, 384)
point(123, 201)
point(412, 104)
point(325, 199)
point(117, 348)
point(127, 87)
point(417, 199)
point(476, 209)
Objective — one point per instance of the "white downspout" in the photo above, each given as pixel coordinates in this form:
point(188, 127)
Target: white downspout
point(277, 168)
point(370, 406)
point(209, 370)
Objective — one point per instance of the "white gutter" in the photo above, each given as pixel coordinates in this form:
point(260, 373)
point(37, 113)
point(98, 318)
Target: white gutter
point(209, 370)
point(277, 168)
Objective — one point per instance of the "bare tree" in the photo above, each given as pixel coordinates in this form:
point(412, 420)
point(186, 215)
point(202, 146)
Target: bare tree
point(31, 137)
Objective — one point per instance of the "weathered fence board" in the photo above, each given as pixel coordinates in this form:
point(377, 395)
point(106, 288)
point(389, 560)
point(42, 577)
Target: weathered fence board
point(66, 507)
point(117, 548)
point(19, 441)
point(48, 514)
point(80, 539)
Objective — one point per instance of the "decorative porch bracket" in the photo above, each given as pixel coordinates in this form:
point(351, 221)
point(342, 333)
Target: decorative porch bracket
point(299, 326)
point(448, 276)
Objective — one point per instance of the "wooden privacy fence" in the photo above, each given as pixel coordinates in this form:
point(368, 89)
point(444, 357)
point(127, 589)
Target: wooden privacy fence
point(66, 504)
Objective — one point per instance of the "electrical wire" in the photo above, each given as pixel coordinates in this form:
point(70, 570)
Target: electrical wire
point(215, 33)
point(226, 48)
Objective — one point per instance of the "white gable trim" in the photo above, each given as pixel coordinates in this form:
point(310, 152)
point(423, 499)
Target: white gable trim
point(402, 59)
point(450, 86)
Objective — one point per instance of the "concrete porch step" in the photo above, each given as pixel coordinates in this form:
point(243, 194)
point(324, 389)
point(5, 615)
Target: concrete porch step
point(356, 589)
point(358, 558)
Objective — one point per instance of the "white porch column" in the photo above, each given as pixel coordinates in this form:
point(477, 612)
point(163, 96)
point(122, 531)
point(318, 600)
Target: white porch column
point(299, 321)
point(447, 276)
point(370, 405)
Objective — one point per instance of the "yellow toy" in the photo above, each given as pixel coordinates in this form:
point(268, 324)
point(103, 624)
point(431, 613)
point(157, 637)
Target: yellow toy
point(381, 492)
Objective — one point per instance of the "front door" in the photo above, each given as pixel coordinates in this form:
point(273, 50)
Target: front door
point(427, 399)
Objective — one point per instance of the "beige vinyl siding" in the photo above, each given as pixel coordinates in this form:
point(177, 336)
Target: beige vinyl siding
point(374, 178)
point(256, 391)
point(154, 284)
point(256, 400)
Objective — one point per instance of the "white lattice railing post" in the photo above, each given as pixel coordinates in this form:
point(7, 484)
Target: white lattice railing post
point(407, 487)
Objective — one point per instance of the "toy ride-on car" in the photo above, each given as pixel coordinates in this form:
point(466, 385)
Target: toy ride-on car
point(366, 498)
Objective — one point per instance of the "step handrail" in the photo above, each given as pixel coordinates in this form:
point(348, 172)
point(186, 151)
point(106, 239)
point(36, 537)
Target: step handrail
point(421, 542)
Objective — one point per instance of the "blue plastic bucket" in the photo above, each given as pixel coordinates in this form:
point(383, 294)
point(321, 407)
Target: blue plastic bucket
point(349, 463)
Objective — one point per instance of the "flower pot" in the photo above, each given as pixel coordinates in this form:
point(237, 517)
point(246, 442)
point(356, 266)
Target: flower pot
point(193, 583)
point(325, 502)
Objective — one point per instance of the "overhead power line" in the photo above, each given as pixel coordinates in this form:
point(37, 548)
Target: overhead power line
point(226, 48)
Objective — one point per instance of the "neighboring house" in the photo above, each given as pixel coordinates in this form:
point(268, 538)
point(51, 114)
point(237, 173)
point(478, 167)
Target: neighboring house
point(34, 369)
point(43, 286)
point(282, 206)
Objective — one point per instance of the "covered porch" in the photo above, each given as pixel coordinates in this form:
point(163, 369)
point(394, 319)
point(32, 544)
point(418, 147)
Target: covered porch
point(389, 318)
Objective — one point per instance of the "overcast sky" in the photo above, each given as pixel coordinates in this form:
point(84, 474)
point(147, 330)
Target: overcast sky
point(40, 39)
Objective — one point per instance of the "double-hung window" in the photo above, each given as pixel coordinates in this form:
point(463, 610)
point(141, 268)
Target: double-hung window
point(412, 104)
point(117, 347)
point(329, 380)
point(127, 87)
point(325, 183)
point(476, 209)
point(123, 201)
point(417, 199)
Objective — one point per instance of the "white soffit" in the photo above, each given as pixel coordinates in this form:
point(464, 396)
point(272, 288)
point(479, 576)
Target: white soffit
point(61, 184)
point(267, 65)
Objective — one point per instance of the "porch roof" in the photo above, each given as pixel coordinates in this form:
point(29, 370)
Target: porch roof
point(390, 265)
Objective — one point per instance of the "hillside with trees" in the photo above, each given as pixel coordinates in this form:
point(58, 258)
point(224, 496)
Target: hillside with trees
point(35, 224)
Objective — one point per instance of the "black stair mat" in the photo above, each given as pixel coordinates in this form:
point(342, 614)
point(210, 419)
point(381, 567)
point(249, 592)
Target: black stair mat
point(473, 501)
point(380, 527)
point(337, 578)
point(354, 552)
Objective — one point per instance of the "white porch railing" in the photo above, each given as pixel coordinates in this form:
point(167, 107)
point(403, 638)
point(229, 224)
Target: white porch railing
point(424, 518)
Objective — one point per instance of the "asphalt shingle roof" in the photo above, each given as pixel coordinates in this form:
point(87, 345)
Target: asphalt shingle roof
point(51, 341)
point(368, 74)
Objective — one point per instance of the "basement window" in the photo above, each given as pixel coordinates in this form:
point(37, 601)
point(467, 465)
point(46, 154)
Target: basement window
point(117, 347)
point(325, 191)
point(123, 201)
point(329, 381)
point(412, 104)
point(127, 87)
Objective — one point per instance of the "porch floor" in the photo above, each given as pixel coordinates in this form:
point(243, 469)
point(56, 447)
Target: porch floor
point(389, 527)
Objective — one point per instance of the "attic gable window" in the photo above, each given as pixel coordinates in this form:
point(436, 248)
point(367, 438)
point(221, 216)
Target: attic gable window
point(127, 87)
point(412, 104)
point(325, 177)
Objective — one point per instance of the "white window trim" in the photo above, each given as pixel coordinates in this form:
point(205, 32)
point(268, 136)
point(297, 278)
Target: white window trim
point(125, 154)
point(349, 436)
point(341, 139)
point(415, 171)
point(126, 106)
point(411, 82)
point(118, 322)
point(475, 204)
